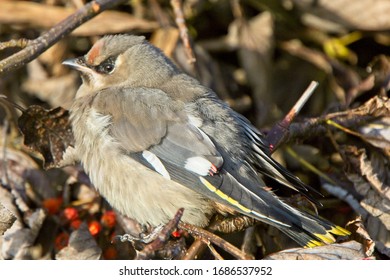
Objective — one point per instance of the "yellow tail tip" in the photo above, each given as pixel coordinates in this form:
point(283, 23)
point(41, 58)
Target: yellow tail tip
point(313, 243)
point(339, 231)
point(326, 238)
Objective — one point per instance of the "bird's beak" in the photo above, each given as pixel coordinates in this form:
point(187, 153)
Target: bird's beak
point(78, 64)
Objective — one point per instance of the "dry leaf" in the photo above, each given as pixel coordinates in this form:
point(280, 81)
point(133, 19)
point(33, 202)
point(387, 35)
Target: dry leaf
point(22, 172)
point(82, 246)
point(370, 174)
point(37, 15)
point(359, 233)
point(376, 107)
point(6, 219)
point(14, 168)
point(18, 241)
point(372, 120)
point(377, 133)
point(47, 132)
point(351, 250)
point(341, 15)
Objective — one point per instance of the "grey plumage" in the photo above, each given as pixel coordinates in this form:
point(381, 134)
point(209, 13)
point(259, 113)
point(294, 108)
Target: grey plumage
point(153, 139)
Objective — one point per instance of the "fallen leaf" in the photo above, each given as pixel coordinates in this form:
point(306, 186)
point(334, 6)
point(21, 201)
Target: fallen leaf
point(18, 241)
point(47, 132)
point(340, 15)
point(37, 15)
point(82, 246)
point(377, 133)
point(6, 219)
point(360, 234)
point(351, 250)
point(370, 175)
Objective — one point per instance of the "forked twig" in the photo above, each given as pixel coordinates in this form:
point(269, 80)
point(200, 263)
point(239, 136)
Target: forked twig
point(207, 236)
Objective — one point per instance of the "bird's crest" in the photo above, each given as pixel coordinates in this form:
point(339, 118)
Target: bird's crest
point(94, 52)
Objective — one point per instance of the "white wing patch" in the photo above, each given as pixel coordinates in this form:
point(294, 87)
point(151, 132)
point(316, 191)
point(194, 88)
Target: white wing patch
point(199, 165)
point(195, 121)
point(156, 163)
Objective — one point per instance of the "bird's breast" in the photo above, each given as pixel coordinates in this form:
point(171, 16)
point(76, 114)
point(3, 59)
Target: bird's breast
point(127, 185)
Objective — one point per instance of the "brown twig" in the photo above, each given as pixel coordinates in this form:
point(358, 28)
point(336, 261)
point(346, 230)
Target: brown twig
point(279, 132)
point(37, 46)
point(180, 21)
point(20, 43)
point(207, 236)
point(195, 250)
point(150, 250)
point(198, 247)
point(238, 13)
point(159, 14)
point(216, 255)
point(226, 225)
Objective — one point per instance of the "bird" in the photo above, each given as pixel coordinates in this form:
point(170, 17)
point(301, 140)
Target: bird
point(153, 140)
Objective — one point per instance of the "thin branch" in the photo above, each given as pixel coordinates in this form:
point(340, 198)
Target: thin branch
point(216, 255)
point(180, 21)
point(207, 236)
point(19, 43)
point(37, 46)
point(279, 132)
point(195, 250)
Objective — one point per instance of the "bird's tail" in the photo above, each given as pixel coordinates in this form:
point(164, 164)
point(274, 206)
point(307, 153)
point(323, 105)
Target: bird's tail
point(306, 229)
point(310, 231)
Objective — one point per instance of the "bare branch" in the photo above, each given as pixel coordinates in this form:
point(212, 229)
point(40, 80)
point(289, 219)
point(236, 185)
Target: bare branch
point(279, 132)
point(35, 47)
point(207, 236)
point(180, 21)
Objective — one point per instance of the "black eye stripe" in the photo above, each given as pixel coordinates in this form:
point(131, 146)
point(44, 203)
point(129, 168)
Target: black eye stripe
point(106, 67)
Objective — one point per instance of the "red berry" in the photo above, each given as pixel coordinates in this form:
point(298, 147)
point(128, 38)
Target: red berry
point(70, 213)
point(108, 219)
point(94, 227)
point(52, 205)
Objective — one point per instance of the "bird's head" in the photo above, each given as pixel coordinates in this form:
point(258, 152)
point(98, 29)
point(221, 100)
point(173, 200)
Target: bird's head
point(122, 60)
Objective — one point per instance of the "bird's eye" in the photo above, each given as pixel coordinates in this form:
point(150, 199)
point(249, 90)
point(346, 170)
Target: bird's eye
point(107, 66)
